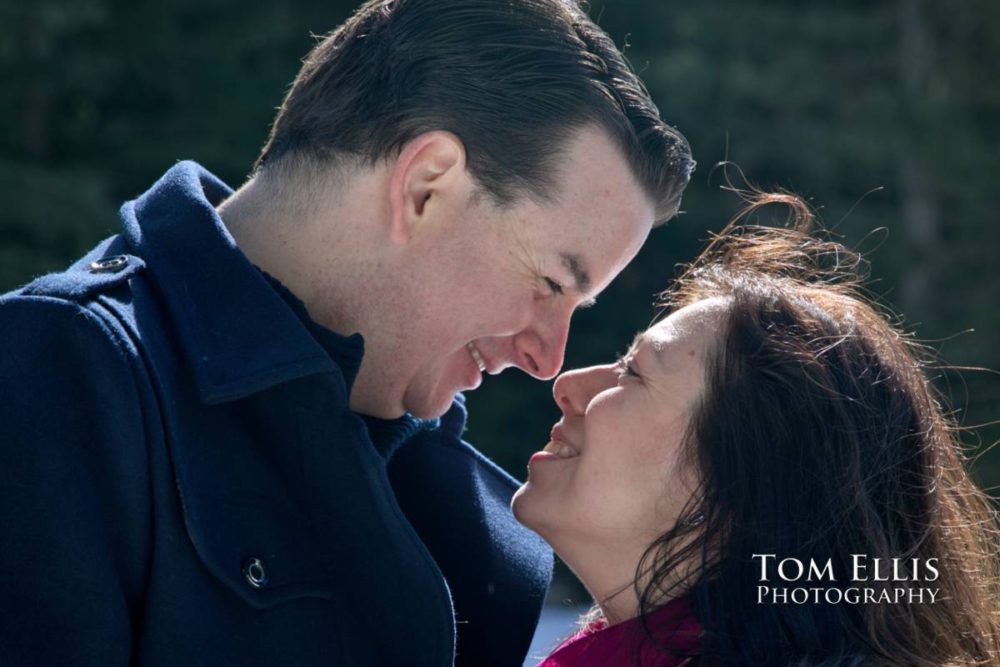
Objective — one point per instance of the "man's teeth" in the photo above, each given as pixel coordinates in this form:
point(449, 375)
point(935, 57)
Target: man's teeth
point(560, 449)
point(478, 358)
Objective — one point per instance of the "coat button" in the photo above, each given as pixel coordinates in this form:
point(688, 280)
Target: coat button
point(254, 572)
point(109, 264)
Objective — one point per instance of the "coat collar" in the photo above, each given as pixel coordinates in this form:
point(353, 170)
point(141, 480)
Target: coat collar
point(238, 335)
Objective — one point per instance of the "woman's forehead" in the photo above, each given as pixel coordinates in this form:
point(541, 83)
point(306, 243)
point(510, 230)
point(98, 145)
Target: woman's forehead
point(693, 320)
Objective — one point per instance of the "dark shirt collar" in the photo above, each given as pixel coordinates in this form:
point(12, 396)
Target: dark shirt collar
point(238, 334)
point(386, 434)
point(346, 351)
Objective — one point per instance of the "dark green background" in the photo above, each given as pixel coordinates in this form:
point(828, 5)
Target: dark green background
point(883, 114)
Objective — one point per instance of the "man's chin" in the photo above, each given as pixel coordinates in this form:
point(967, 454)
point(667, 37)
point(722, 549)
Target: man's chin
point(431, 407)
point(430, 410)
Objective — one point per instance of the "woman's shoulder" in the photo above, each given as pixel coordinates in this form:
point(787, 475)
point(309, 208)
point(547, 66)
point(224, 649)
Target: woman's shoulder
point(666, 637)
point(841, 661)
point(846, 661)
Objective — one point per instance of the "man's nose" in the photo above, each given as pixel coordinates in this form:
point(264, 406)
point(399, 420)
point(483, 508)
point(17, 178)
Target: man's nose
point(541, 348)
point(573, 390)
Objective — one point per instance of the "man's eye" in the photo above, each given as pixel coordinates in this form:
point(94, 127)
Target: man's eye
point(554, 286)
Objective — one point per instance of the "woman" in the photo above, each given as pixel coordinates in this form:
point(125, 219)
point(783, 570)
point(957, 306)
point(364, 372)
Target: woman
point(734, 490)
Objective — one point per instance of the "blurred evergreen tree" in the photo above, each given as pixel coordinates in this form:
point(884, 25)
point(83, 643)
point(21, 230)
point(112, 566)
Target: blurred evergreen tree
point(102, 96)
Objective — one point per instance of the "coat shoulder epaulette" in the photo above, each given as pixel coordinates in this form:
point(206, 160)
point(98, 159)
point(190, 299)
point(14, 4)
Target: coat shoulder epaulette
point(86, 277)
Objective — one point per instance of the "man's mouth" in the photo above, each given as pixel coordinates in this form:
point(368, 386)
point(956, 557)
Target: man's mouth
point(478, 358)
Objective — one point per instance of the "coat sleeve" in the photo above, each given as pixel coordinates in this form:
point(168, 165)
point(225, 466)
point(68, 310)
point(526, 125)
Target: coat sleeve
point(74, 487)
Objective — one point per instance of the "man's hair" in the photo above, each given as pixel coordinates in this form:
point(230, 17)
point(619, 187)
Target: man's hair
point(513, 79)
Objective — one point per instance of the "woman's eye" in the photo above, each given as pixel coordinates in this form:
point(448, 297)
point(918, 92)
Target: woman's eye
point(554, 286)
point(625, 369)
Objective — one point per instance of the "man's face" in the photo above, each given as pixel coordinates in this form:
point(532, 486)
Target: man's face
point(500, 288)
point(495, 287)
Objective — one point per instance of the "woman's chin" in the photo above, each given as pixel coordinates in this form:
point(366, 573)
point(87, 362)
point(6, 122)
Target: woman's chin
point(526, 507)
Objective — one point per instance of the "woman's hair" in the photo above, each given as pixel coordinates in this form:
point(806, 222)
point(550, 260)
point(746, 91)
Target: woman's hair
point(819, 436)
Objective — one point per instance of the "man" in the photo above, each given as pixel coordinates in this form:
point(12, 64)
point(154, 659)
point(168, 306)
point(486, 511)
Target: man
point(231, 434)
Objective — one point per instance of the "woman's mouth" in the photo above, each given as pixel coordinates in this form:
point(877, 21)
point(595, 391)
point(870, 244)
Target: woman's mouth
point(560, 449)
point(555, 450)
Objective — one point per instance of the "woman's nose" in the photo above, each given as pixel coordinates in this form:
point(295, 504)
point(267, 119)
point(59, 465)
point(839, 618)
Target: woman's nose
point(573, 390)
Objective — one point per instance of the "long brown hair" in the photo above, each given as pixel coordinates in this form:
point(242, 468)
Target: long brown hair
point(819, 435)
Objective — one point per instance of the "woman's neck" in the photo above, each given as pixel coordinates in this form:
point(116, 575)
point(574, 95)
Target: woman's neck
point(608, 574)
point(619, 606)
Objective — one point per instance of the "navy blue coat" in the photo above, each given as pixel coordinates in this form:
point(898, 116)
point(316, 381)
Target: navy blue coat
point(183, 483)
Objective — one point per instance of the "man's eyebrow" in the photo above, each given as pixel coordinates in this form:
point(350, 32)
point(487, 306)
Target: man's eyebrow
point(575, 264)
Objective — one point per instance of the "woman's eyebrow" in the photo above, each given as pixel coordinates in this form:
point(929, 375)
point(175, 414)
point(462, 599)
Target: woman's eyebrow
point(656, 345)
point(636, 342)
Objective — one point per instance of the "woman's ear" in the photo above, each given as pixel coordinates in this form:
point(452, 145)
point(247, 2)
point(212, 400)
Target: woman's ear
point(428, 179)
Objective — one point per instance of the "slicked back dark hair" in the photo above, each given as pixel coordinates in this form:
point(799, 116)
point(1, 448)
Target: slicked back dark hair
point(513, 79)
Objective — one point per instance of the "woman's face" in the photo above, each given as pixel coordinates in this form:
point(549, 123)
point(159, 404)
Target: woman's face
point(610, 475)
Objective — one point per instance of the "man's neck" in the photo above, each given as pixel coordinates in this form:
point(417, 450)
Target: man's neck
point(262, 238)
point(316, 258)
point(334, 261)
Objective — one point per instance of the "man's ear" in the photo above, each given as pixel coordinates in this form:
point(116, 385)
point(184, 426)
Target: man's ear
point(428, 179)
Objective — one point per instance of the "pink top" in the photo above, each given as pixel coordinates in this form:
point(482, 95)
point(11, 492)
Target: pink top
point(673, 625)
